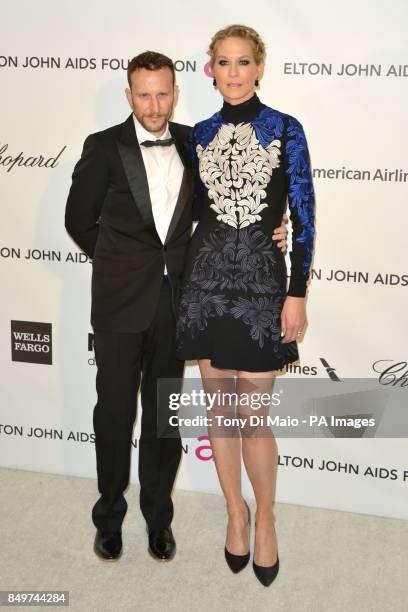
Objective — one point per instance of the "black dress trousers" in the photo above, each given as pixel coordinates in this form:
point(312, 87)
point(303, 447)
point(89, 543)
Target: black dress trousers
point(122, 360)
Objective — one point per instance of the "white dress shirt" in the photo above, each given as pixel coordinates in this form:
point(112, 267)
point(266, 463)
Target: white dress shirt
point(164, 171)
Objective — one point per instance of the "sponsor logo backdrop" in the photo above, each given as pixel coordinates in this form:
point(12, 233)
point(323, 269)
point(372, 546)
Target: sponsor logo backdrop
point(342, 71)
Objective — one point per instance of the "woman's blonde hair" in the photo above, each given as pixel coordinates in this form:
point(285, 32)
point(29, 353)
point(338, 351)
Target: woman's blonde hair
point(239, 31)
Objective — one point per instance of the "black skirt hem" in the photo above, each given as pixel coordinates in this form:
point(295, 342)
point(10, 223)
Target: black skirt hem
point(221, 366)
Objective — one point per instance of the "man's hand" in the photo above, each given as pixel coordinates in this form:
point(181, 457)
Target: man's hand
point(293, 317)
point(280, 233)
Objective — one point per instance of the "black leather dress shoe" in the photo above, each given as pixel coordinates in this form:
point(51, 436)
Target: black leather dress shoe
point(108, 545)
point(162, 545)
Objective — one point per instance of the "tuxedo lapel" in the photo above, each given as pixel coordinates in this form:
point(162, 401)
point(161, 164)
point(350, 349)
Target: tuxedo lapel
point(181, 146)
point(182, 199)
point(186, 183)
point(132, 160)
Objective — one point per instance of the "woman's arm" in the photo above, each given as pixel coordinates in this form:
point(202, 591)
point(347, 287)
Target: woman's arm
point(301, 209)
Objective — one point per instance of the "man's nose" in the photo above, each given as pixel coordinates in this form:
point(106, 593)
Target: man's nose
point(155, 105)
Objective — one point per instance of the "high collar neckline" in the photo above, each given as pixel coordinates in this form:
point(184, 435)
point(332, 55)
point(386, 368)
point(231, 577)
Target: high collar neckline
point(245, 111)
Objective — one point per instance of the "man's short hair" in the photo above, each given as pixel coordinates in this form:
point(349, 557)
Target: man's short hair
point(150, 60)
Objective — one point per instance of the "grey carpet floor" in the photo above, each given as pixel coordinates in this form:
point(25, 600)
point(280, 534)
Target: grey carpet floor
point(330, 561)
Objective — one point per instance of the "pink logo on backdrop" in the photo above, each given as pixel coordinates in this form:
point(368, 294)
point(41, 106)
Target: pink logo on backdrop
point(207, 68)
point(204, 452)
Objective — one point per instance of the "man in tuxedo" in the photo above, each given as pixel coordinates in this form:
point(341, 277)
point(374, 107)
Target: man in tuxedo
point(129, 209)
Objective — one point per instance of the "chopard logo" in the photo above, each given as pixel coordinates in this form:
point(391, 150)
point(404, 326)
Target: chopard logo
point(10, 161)
point(392, 373)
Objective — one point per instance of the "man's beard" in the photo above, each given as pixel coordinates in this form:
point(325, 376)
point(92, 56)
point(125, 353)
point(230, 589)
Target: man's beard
point(155, 127)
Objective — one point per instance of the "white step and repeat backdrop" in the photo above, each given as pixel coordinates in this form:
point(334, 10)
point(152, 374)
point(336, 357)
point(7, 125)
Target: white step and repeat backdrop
point(342, 69)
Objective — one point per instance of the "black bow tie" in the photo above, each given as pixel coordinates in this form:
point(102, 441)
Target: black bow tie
point(158, 143)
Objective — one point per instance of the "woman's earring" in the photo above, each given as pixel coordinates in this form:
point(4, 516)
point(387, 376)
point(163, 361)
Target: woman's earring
point(215, 83)
point(256, 82)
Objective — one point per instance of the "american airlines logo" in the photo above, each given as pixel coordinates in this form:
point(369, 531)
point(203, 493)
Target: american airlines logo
point(331, 372)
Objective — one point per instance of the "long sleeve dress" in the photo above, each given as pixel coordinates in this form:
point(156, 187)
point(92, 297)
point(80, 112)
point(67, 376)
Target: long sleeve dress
point(250, 160)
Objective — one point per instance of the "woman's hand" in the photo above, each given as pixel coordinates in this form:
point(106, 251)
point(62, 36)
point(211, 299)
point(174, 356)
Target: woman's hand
point(280, 233)
point(293, 318)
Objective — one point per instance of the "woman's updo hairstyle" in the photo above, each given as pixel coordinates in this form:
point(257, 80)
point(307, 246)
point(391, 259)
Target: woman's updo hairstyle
point(239, 31)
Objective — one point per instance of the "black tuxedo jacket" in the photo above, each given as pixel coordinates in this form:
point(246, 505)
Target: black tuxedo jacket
point(109, 215)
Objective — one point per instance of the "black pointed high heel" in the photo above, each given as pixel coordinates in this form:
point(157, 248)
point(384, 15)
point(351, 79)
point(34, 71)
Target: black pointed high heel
point(266, 575)
point(236, 563)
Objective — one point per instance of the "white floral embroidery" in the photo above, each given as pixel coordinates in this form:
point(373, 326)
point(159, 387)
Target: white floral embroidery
point(236, 170)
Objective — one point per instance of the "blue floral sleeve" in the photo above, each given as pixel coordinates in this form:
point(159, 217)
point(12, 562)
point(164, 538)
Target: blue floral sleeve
point(301, 206)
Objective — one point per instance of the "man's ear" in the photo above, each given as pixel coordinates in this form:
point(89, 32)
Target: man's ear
point(176, 95)
point(129, 97)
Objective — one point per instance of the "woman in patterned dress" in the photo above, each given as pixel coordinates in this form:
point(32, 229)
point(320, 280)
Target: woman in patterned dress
point(237, 317)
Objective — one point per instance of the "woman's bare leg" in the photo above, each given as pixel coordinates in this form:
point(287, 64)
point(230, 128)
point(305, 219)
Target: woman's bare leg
point(227, 456)
point(260, 454)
